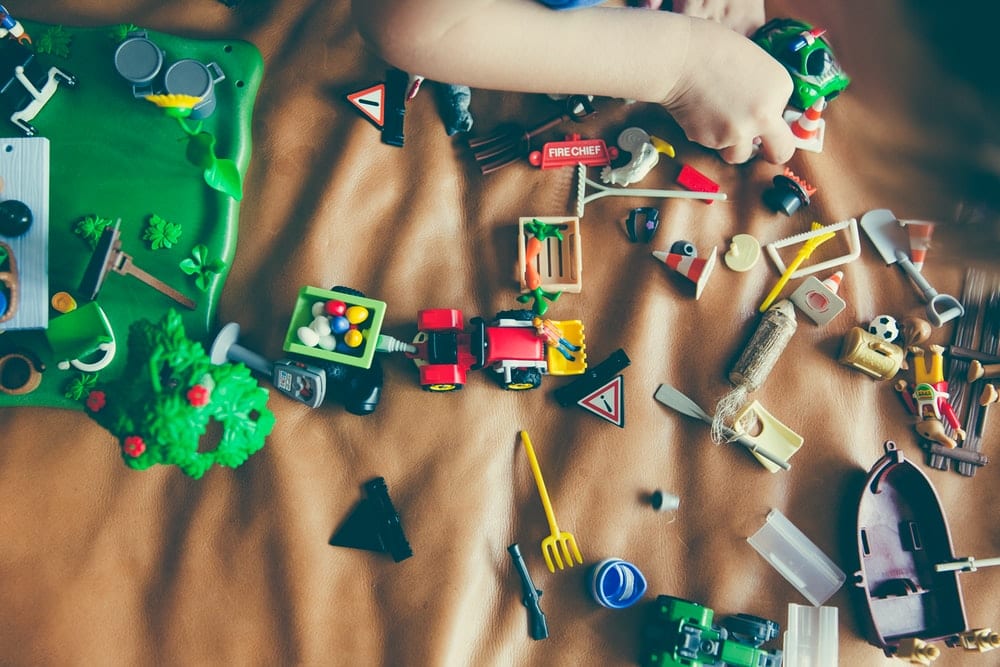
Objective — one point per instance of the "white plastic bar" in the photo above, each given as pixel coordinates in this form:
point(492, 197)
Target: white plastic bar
point(798, 560)
point(810, 637)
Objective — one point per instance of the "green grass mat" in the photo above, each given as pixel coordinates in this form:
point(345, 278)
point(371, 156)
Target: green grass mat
point(115, 156)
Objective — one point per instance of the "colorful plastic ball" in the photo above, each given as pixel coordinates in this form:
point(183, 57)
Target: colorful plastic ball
point(339, 324)
point(335, 307)
point(307, 336)
point(885, 327)
point(353, 338)
point(357, 314)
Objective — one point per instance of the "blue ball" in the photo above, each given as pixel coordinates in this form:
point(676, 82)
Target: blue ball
point(339, 324)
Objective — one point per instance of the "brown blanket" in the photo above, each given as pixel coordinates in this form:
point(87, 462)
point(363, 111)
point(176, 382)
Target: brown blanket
point(101, 564)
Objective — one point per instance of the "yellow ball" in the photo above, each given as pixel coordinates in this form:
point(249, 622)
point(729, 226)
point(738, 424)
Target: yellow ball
point(356, 314)
point(353, 338)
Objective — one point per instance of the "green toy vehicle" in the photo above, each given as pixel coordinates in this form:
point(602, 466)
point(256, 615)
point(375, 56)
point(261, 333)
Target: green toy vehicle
point(807, 56)
point(680, 633)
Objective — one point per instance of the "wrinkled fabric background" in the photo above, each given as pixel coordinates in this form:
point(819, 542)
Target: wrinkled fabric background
point(100, 564)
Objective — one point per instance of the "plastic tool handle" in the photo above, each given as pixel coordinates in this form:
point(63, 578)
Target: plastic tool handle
point(914, 275)
point(540, 483)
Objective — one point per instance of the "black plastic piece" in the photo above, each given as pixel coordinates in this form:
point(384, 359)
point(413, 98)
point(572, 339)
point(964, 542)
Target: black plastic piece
point(530, 595)
point(650, 222)
point(787, 196)
point(396, 82)
point(374, 525)
point(595, 376)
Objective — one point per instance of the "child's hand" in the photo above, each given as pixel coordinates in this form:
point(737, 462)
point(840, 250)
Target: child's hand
point(731, 93)
point(743, 16)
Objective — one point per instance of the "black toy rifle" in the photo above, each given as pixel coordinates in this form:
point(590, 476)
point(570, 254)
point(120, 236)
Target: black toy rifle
point(530, 595)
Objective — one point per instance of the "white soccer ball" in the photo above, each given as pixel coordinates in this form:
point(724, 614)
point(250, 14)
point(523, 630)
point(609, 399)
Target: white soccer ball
point(885, 327)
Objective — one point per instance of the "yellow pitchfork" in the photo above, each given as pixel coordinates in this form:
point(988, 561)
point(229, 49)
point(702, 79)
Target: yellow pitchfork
point(557, 540)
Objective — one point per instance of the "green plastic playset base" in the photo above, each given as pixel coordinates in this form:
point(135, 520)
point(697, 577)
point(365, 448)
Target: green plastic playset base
point(114, 156)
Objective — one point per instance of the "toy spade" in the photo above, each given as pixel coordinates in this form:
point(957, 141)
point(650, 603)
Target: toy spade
point(941, 308)
point(108, 256)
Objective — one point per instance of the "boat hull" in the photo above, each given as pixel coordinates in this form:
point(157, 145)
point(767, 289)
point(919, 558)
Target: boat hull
point(902, 534)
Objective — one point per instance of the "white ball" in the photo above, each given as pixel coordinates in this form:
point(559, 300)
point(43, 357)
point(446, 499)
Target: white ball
point(885, 327)
point(321, 325)
point(307, 336)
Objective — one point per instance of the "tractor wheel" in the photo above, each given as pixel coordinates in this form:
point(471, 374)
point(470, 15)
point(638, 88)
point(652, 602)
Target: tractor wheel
point(752, 629)
point(524, 379)
point(441, 388)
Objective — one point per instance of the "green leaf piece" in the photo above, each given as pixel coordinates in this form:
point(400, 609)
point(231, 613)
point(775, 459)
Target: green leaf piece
point(78, 388)
point(55, 41)
point(225, 177)
point(201, 267)
point(119, 33)
point(91, 228)
point(161, 233)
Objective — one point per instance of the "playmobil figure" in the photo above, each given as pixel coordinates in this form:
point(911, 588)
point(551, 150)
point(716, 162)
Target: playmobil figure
point(453, 103)
point(929, 399)
point(554, 337)
point(11, 27)
point(981, 640)
point(722, 89)
point(917, 651)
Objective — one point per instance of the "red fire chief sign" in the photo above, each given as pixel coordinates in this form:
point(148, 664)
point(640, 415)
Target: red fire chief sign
point(573, 151)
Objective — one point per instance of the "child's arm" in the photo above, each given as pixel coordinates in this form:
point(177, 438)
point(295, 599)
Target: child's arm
point(722, 89)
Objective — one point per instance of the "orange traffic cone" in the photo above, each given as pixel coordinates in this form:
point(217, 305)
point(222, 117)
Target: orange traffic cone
point(819, 300)
point(695, 269)
point(807, 126)
point(920, 240)
point(833, 282)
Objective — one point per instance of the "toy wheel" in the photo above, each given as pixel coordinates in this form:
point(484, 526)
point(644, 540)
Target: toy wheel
point(751, 629)
point(349, 291)
point(524, 379)
point(441, 388)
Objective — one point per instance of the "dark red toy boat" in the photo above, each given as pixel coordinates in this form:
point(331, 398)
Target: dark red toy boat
point(902, 534)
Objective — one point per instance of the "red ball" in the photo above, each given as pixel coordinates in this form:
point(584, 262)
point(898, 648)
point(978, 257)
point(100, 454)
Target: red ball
point(334, 307)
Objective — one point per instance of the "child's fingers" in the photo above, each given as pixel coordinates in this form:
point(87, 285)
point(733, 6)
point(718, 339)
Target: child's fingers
point(778, 145)
point(737, 154)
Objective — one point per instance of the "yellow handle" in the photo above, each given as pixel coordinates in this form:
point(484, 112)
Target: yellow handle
point(540, 483)
point(807, 249)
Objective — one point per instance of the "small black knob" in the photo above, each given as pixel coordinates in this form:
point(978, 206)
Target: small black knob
point(15, 218)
